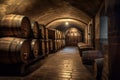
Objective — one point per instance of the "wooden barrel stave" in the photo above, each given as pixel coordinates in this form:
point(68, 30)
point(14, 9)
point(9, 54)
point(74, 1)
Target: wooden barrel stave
point(42, 47)
point(46, 47)
point(35, 29)
point(42, 31)
point(50, 45)
point(46, 33)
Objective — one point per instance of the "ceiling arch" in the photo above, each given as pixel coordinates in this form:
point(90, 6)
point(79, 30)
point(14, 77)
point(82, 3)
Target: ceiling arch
point(45, 11)
point(60, 24)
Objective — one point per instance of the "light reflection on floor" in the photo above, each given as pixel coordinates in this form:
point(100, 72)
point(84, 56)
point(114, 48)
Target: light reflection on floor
point(64, 65)
point(69, 50)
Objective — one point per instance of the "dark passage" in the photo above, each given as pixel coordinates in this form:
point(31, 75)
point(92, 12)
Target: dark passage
point(64, 65)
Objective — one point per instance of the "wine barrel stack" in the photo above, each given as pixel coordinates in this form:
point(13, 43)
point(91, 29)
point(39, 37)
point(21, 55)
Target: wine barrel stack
point(42, 39)
point(46, 42)
point(56, 38)
point(24, 41)
point(52, 37)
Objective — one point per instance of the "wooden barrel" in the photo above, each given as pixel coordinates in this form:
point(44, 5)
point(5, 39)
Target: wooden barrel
point(46, 47)
point(50, 46)
point(14, 50)
point(63, 43)
point(35, 47)
point(63, 36)
point(46, 33)
point(35, 29)
point(55, 45)
point(84, 48)
point(42, 31)
point(98, 68)
point(15, 26)
point(89, 56)
point(59, 43)
point(60, 35)
point(52, 34)
point(56, 34)
point(82, 44)
point(42, 47)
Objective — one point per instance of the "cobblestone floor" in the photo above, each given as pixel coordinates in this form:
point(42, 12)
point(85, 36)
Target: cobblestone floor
point(64, 65)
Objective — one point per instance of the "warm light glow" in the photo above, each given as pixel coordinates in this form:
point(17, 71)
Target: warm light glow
point(66, 23)
point(73, 30)
point(75, 34)
point(71, 34)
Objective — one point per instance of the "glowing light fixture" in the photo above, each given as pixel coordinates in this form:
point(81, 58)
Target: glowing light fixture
point(66, 23)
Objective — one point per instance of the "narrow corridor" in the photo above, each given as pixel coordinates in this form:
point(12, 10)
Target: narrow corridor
point(64, 65)
point(30, 30)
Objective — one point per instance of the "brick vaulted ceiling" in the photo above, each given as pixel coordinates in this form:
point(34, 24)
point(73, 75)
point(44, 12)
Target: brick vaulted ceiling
point(45, 11)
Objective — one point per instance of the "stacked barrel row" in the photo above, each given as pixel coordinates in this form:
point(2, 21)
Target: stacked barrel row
point(19, 39)
point(44, 39)
point(60, 40)
point(57, 39)
point(39, 33)
point(23, 40)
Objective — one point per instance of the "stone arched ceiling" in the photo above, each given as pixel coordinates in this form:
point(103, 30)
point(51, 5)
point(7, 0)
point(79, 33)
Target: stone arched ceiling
point(63, 24)
point(45, 11)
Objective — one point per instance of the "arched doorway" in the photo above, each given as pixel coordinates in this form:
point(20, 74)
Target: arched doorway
point(73, 36)
point(77, 29)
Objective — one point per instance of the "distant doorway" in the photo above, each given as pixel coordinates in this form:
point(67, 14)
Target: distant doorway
point(73, 36)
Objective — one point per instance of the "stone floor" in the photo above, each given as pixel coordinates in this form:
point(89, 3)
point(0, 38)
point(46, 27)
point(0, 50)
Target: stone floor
point(64, 65)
